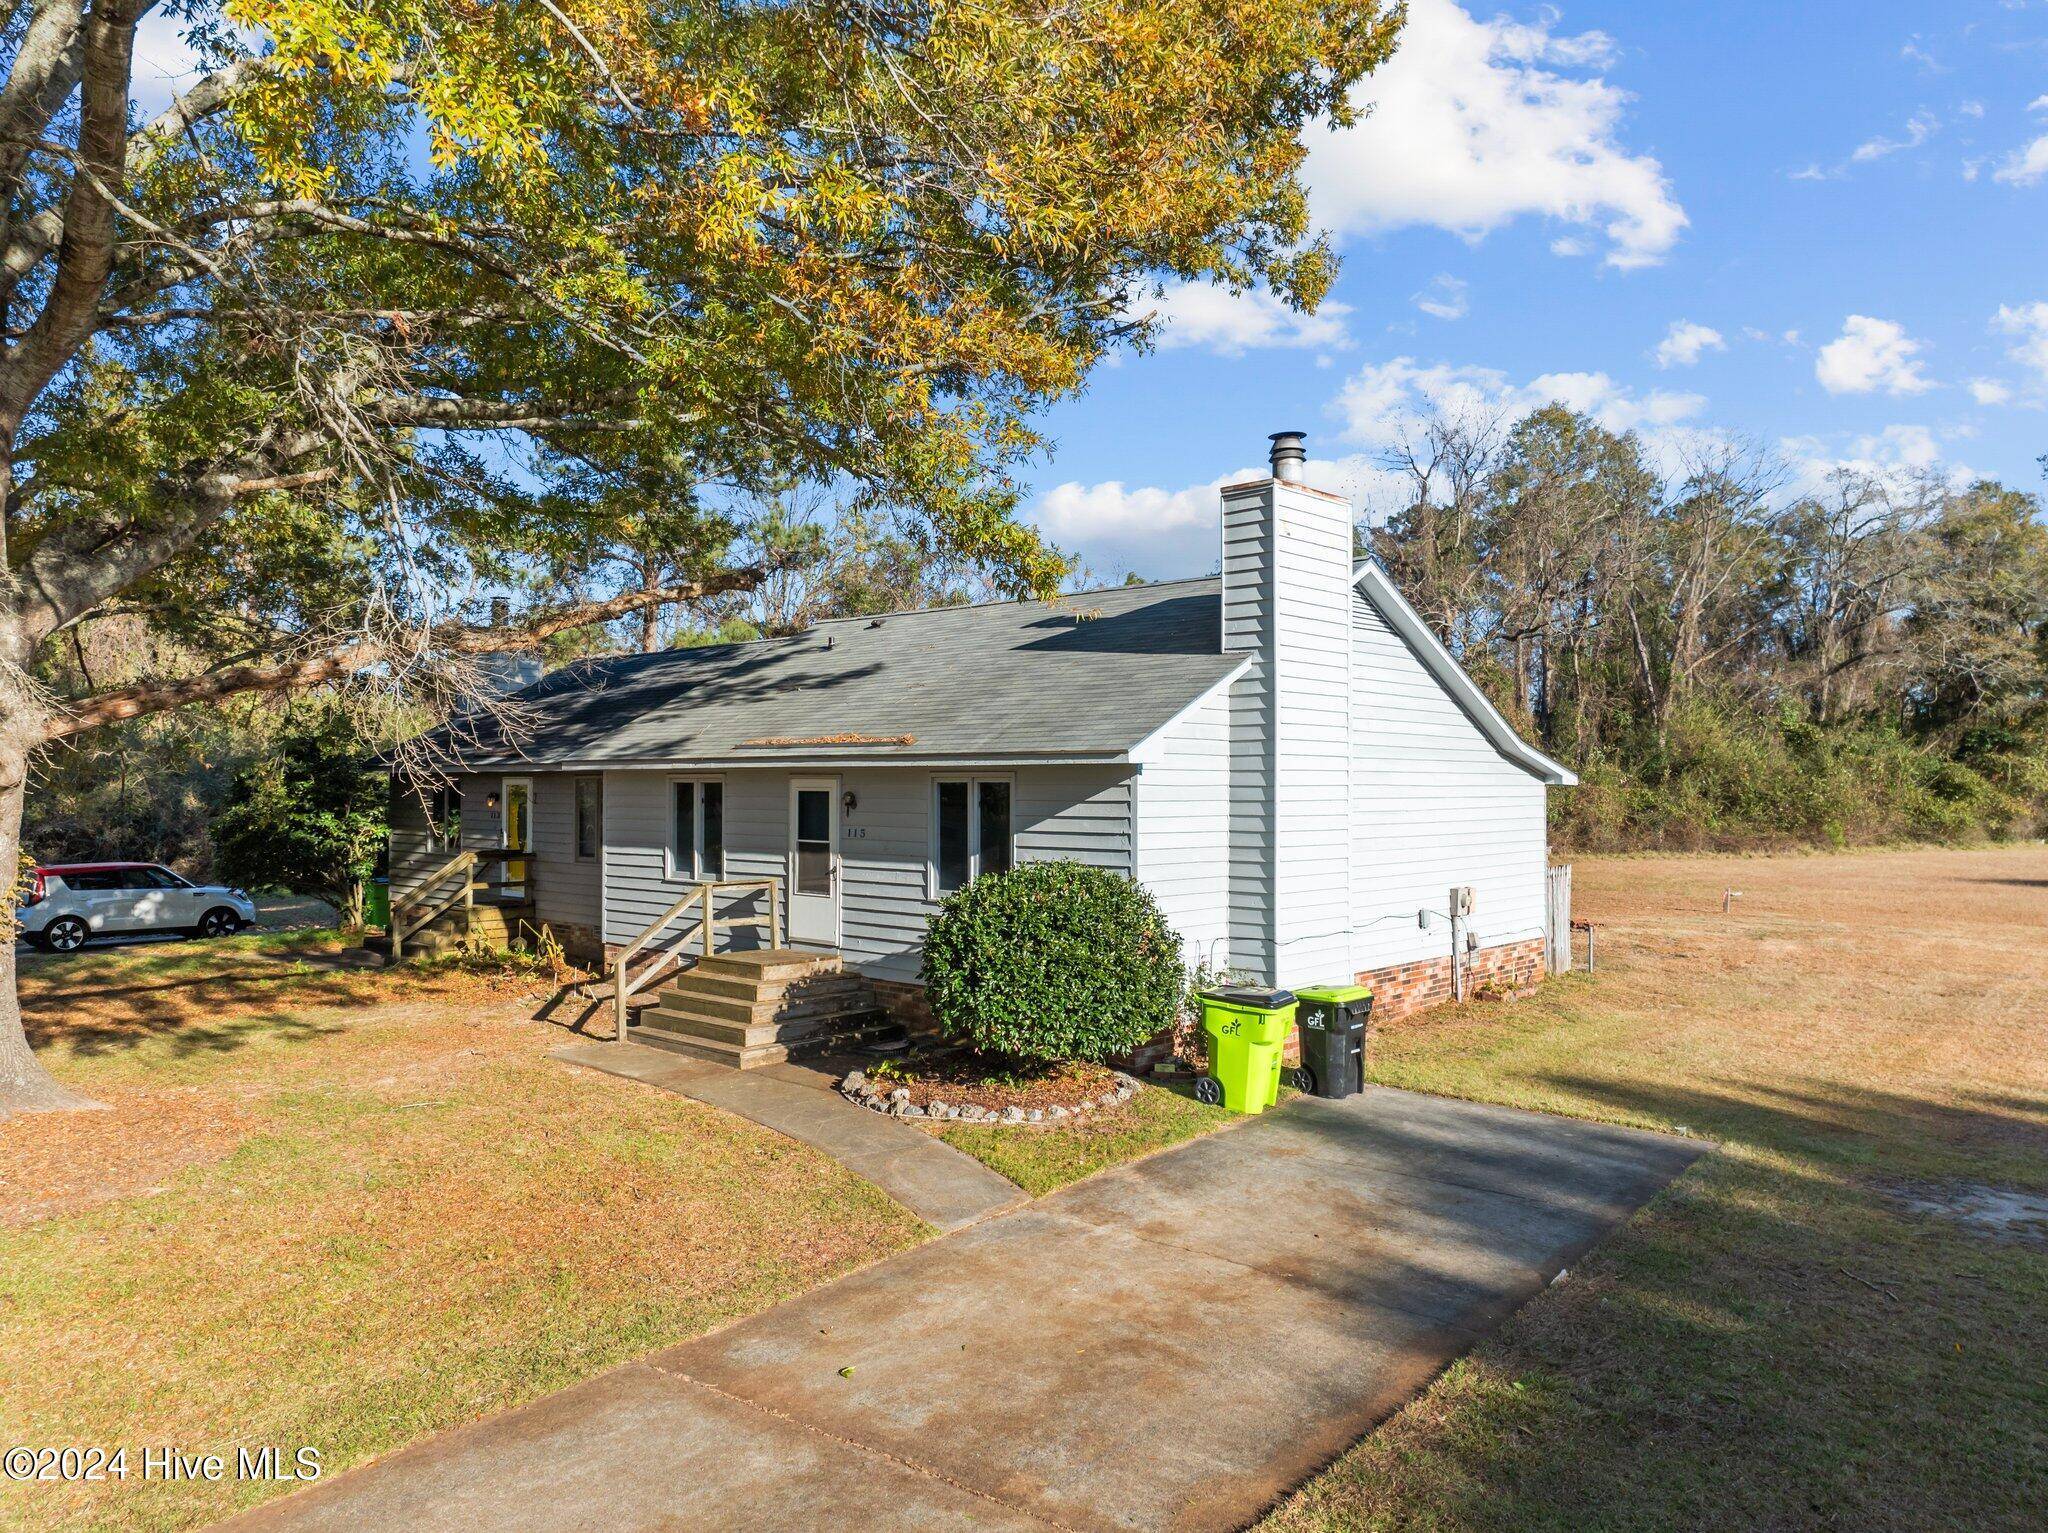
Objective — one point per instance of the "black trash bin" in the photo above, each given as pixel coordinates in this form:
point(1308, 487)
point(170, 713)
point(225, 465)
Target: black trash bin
point(1332, 1025)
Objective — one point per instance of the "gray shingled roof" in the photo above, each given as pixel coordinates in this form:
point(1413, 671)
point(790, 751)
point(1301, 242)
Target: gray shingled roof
point(987, 683)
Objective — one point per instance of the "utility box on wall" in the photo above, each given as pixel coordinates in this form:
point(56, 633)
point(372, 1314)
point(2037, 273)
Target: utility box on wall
point(1461, 900)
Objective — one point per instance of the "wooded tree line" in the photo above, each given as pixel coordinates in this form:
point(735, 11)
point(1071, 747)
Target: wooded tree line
point(1725, 661)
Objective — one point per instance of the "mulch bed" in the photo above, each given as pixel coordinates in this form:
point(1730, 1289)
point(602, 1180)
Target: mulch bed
point(961, 1082)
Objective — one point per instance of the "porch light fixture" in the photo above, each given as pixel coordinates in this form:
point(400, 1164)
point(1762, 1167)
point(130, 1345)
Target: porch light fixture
point(849, 803)
point(490, 800)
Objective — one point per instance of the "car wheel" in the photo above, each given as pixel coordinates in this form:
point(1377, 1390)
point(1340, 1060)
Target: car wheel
point(66, 934)
point(219, 922)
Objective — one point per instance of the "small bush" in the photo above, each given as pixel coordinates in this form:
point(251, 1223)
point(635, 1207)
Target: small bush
point(1052, 961)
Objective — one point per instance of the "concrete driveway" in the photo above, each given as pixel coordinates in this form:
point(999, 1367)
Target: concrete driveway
point(1173, 1344)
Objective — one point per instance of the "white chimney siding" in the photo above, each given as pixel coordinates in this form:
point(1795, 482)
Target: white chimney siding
point(1287, 606)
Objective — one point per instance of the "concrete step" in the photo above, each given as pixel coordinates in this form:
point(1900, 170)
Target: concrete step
point(687, 996)
point(726, 987)
point(695, 1024)
point(768, 965)
point(720, 1054)
point(876, 1031)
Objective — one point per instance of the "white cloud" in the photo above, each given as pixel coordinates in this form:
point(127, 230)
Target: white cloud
point(1899, 455)
point(1685, 342)
point(1383, 401)
point(1920, 127)
point(1990, 391)
point(1112, 512)
point(2027, 323)
point(1445, 298)
point(1164, 533)
point(2028, 163)
point(1871, 354)
point(1474, 124)
point(1914, 53)
point(1202, 314)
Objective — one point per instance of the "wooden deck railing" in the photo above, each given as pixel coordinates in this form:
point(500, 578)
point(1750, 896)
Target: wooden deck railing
point(705, 895)
point(459, 880)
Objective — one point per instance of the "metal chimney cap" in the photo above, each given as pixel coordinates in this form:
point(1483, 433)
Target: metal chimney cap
point(1288, 455)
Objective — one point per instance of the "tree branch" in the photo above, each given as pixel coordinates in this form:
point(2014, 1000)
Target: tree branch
point(85, 255)
point(358, 653)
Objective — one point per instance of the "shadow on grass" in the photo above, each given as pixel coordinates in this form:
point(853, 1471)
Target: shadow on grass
point(578, 1015)
point(1835, 1121)
point(1769, 1345)
point(211, 1000)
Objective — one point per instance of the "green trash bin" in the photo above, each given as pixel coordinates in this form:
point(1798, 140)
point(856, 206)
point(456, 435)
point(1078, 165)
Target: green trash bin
point(377, 902)
point(1247, 1027)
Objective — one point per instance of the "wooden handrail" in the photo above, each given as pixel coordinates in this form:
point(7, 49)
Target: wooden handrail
point(425, 894)
point(708, 893)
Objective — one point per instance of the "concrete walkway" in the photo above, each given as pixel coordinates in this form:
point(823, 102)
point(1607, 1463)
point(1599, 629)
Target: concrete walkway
point(927, 1176)
point(1170, 1345)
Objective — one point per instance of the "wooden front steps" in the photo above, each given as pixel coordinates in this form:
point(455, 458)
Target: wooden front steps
point(497, 925)
point(749, 1009)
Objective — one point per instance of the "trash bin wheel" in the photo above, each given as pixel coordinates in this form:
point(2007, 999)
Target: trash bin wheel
point(1302, 1078)
point(1209, 1091)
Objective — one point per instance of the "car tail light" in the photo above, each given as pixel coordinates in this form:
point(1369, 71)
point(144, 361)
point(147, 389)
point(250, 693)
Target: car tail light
point(37, 890)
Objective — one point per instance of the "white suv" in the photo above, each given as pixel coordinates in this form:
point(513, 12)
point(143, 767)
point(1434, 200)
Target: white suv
point(69, 904)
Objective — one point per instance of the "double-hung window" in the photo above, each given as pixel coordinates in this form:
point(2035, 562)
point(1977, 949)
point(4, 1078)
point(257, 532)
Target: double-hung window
point(971, 830)
point(696, 834)
point(444, 819)
point(589, 817)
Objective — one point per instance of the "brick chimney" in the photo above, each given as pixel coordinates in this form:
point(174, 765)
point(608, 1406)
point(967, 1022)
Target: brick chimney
point(1287, 604)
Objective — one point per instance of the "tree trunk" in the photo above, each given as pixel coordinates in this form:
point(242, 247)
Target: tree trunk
point(25, 1086)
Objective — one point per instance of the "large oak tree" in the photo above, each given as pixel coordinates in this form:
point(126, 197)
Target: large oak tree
point(282, 353)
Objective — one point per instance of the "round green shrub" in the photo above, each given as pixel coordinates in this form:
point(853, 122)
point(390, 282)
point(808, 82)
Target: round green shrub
point(1052, 961)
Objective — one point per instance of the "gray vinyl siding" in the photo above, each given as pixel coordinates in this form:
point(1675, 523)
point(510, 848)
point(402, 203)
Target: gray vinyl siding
point(565, 888)
point(566, 891)
point(1286, 604)
point(1434, 804)
point(410, 857)
point(1247, 591)
point(1183, 822)
point(884, 847)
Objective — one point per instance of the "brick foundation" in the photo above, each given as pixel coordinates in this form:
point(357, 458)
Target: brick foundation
point(1404, 988)
point(906, 1004)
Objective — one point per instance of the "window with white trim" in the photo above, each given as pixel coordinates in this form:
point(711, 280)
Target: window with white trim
point(444, 819)
point(971, 831)
point(696, 830)
point(589, 793)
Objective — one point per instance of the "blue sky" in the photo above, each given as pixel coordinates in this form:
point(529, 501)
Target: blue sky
point(1823, 227)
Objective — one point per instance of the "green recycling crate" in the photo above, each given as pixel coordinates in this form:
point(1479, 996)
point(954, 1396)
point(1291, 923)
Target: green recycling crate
point(1247, 1027)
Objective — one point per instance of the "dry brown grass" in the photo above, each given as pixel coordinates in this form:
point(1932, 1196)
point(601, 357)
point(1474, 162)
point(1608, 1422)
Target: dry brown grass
point(344, 1210)
point(1779, 1341)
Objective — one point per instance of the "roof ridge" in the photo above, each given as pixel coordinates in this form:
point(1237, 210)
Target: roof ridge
point(1014, 601)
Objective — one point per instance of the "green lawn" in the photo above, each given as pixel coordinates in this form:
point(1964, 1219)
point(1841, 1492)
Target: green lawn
point(1038, 1158)
point(1781, 1340)
point(348, 1210)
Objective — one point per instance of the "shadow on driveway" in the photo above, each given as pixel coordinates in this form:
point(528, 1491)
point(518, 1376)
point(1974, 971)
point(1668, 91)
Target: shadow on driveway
point(1172, 1344)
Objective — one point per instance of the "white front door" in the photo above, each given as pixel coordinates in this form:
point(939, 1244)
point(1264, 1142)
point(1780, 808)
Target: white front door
point(814, 862)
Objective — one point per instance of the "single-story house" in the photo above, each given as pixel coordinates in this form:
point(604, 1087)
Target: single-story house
point(1282, 752)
